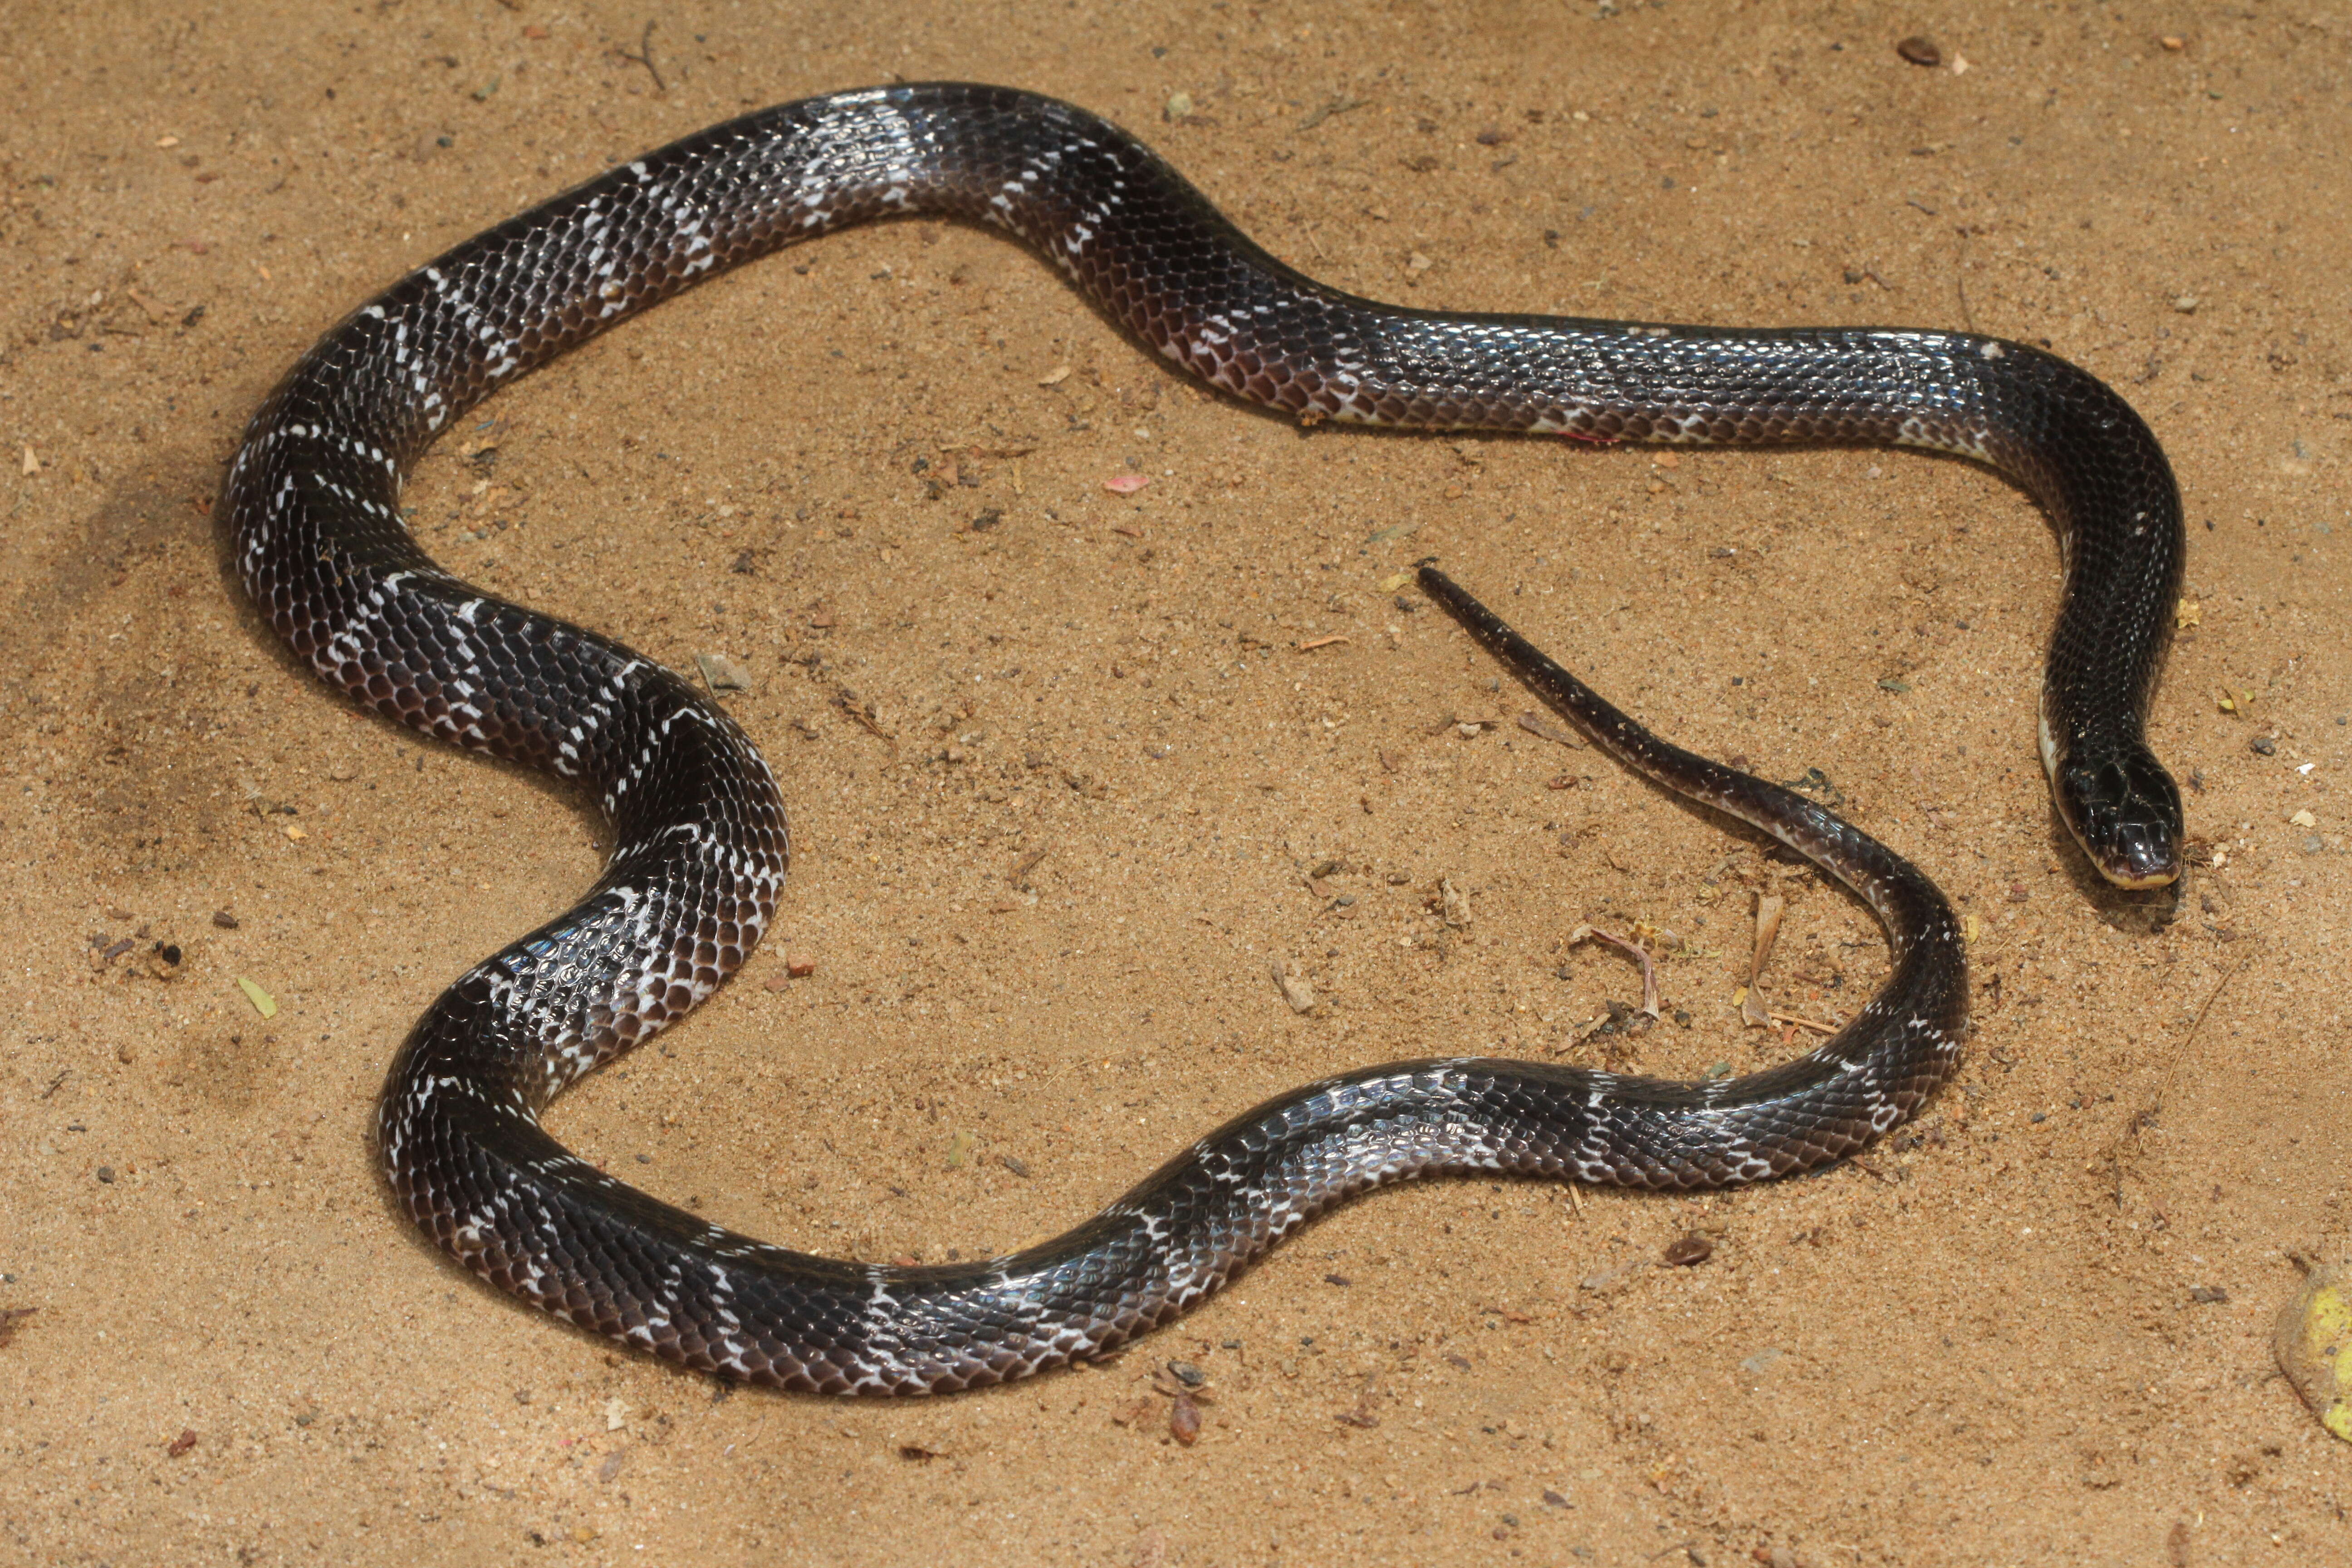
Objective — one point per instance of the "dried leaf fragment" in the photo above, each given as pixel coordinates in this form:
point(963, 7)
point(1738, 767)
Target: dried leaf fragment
point(1640, 954)
point(1537, 724)
point(2313, 1344)
point(1752, 1008)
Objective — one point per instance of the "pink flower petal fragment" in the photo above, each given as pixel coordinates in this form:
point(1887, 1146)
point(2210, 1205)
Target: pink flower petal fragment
point(1124, 484)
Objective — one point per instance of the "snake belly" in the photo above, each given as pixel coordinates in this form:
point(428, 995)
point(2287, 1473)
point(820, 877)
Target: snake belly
point(699, 831)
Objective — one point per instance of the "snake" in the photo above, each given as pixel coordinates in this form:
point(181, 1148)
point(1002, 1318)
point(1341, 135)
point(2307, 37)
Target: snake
point(698, 842)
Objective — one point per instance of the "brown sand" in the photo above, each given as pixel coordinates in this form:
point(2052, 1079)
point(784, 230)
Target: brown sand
point(1981, 1347)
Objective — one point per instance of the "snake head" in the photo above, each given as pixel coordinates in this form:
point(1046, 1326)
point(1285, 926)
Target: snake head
point(2125, 811)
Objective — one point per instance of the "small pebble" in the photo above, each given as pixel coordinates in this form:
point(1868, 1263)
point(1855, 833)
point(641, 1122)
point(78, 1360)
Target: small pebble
point(2263, 746)
point(1294, 991)
point(2209, 1295)
point(1920, 51)
point(799, 965)
point(1340, 1279)
point(1184, 1420)
point(722, 673)
point(224, 919)
point(105, 1175)
point(1185, 1372)
point(1691, 1249)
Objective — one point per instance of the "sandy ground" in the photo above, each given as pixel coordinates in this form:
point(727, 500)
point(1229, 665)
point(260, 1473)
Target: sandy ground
point(1104, 789)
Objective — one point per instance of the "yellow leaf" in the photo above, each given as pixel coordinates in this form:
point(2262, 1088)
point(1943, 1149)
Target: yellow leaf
point(2313, 1340)
point(1390, 584)
point(2187, 613)
point(263, 1001)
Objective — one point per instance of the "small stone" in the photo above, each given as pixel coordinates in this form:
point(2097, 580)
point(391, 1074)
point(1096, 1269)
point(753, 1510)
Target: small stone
point(1179, 106)
point(2304, 819)
point(1690, 1250)
point(2263, 746)
point(723, 674)
point(1185, 1372)
point(181, 1444)
point(105, 1175)
point(1294, 991)
point(2186, 304)
point(1184, 1420)
point(2209, 1295)
point(1920, 51)
point(223, 919)
point(799, 965)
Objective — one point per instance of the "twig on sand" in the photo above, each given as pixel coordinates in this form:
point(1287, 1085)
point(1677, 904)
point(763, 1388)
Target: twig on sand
point(645, 56)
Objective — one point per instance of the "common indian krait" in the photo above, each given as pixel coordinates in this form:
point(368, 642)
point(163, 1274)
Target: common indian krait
point(699, 840)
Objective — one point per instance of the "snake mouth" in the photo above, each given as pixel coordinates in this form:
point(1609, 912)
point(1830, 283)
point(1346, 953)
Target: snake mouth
point(2136, 856)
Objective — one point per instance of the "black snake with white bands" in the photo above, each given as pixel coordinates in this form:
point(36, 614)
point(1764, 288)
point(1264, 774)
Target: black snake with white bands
point(699, 828)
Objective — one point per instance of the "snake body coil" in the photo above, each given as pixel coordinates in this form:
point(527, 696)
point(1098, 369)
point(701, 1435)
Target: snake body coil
point(699, 838)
